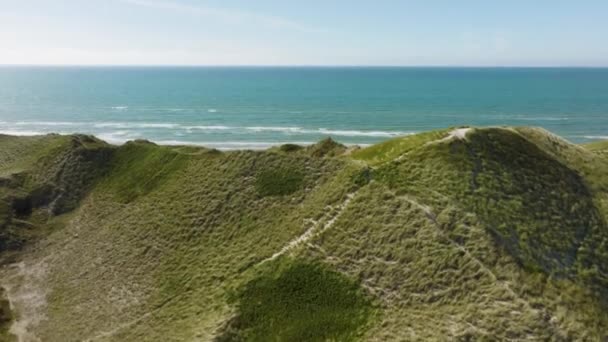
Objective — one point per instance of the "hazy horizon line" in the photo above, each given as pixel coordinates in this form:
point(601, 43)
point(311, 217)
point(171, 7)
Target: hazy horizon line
point(305, 66)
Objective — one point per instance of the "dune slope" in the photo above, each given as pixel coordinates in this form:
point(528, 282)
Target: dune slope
point(469, 233)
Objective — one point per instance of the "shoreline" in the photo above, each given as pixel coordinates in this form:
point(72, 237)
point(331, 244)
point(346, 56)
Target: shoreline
point(261, 145)
point(221, 146)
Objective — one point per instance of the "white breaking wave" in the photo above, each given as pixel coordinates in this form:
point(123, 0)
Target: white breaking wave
point(548, 118)
point(157, 125)
point(135, 125)
point(118, 137)
point(110, 125)
point(212, 110)
point(274, 129)
point(354, 133)
point(120, 108)
point(122, 136)
point(188, 128)
point(45, 123)
point(204, 128)
point(596, 137)
point(21, 133)
point(112, 138)
point(325, 131)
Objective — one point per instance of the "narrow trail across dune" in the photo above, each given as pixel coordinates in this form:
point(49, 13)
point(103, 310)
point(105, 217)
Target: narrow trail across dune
point(27, 297)
point(326, 222)
point(433, 218)
point(131, 323)
point(119, 328)
point(504, 284)
point(458, 133)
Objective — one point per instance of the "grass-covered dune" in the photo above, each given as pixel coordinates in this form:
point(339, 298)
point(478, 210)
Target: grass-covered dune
point(459, 234)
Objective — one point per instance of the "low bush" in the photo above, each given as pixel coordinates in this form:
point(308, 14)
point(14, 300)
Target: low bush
point(300, 302)
point(278, 182)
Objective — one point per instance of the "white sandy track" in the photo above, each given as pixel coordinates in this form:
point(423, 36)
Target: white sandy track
point(333, 213)
point(117, 329)
point(432, 217)
point(24, 284)
point(458, 133)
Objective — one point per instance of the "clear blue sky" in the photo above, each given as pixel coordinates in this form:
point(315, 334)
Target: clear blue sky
point(307, 32)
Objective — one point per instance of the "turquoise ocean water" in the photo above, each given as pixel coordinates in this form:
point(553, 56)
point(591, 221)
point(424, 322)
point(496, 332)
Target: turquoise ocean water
point(257, 107)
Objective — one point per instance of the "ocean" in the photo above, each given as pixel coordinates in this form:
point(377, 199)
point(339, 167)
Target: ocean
point(257, 107)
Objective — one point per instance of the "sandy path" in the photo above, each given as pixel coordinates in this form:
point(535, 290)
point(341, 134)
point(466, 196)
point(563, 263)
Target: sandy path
point(328, 220)
point(24, 284)
point(431, 216)
point(458, 133)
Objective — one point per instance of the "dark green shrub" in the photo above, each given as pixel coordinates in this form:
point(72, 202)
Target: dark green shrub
point(290, 147)
point(278, 182)
point(326, 148)
point(362, 178)
point(302, 302)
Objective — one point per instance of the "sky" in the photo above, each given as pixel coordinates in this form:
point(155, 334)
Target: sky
point(305, 32)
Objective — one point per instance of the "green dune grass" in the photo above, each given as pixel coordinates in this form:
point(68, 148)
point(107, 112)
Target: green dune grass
point(475, 234)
